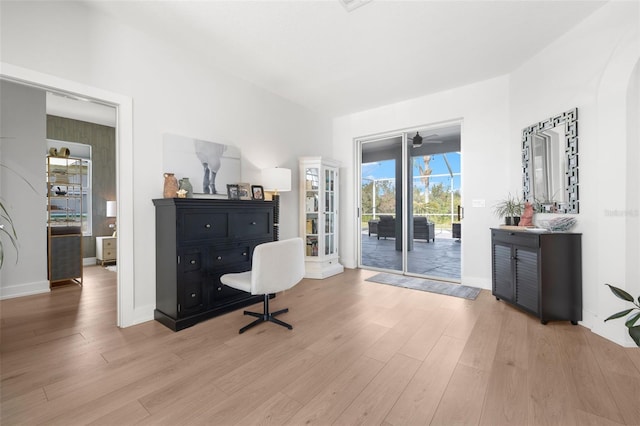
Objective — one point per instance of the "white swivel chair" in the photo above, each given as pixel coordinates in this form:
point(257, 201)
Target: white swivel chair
point(277, 266)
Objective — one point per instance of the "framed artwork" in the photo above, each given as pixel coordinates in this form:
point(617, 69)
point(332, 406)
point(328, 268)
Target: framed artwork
point(244, 191)
point(257, 192)
point(210, 166)
point(233, 191)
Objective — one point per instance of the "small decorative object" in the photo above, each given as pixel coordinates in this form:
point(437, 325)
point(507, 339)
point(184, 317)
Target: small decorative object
point(561, 224)
point(182, 193)
point(233, 192)
point(64, 152)
point(60, 191)
point(527, 216)
point(634, 330)
point(53, 152)
point(185, 185)
point(170, 185)
point(257, 192)
point(244, 191)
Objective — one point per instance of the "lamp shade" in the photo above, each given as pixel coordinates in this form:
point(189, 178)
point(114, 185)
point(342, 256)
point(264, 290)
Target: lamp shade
point(112, 209)
point(276, 179)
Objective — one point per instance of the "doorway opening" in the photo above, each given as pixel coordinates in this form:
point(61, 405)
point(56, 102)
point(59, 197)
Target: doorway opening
point(409, 197)
point(123, 172)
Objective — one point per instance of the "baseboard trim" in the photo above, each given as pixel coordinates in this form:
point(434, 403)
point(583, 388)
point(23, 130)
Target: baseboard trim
point(26, 289)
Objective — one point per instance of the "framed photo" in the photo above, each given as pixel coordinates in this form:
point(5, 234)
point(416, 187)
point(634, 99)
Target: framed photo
point(209, 165)
point(233, 192)
point(257, 192)
point(244, 191)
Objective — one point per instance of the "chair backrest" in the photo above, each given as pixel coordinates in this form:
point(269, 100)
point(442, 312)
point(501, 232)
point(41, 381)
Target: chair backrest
point(277, 266)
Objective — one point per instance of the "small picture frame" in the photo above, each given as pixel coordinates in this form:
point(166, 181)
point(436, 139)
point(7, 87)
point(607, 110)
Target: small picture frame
point(244, 191)
point(233, 192)
point(257, 192)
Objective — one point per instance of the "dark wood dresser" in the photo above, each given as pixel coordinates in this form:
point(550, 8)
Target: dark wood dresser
point(540, 273)
point(197, 241)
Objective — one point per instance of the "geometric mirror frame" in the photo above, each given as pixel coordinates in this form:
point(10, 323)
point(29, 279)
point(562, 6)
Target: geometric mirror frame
point(562, 161)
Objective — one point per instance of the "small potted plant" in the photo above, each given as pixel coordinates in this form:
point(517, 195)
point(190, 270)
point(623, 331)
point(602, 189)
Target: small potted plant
point(510, 208)
point(630, 323)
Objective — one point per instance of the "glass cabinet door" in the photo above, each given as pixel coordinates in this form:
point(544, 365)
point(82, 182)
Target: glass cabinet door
point(311, 208)
point(330, 212)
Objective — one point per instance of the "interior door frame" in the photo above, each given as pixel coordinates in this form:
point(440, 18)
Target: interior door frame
point(124, 170)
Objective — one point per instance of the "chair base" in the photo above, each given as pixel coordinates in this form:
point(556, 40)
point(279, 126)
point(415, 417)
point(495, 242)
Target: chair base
point(266, 316)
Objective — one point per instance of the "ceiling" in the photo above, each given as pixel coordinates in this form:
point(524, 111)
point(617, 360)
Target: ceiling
point(319, 55)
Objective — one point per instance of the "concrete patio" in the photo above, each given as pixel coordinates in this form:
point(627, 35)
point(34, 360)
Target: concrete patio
point(439, 259)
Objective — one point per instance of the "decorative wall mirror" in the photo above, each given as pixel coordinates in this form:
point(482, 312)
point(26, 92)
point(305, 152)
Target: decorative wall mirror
point(550, 163)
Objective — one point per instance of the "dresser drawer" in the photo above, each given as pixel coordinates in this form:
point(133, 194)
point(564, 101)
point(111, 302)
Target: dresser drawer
point(251, 224)
point(109, 254)
point(109, 244)
point(520, 238)
point(198, 226)
point(222, 257)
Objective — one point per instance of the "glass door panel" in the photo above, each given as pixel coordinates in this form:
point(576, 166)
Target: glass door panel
point(381, 204)
point(330, 212)
point(312, 216)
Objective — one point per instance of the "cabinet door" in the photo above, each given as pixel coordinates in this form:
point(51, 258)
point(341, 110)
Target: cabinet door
point(330, 211)
point(220, 294)
point(312, 210)
point(502, 272)
point(190, 283)
point(526, 276)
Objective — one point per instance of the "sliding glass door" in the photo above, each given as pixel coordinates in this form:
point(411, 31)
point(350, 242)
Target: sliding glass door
point(409, 197)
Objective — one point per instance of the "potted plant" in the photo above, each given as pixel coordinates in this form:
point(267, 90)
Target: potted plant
point(634, 330)
point(510, 208)
point(7, 228)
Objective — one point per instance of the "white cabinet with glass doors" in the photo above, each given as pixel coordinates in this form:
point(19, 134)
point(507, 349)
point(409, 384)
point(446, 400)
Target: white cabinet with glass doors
point(319, 180)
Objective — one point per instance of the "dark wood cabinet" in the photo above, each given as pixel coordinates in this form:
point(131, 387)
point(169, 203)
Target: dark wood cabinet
point(197, 241)
point(540, 273)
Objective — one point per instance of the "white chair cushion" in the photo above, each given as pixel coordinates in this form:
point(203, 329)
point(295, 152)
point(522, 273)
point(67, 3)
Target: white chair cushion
point(241, 281)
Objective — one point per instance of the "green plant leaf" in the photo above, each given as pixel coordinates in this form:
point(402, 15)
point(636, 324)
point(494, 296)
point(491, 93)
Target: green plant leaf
point(620, 294)
point(632, 320)
point(619, 314)
point(634, 332)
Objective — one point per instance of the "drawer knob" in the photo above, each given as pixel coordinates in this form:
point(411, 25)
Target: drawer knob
point(193, 295)
point(253, 223)
point(208, 225)
point(219, 288)
point(244, 254)
point(193, 262)
point(219, 257)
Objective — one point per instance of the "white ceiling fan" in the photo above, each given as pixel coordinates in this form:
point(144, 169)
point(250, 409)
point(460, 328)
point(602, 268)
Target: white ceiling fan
point(418, 140)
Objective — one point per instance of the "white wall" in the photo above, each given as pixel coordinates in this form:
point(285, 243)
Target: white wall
point(22, 183)
point(593, 67)
point(173, 90)
point(488, 159)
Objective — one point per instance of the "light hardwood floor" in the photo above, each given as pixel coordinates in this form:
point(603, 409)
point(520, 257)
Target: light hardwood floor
point(359, 353)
